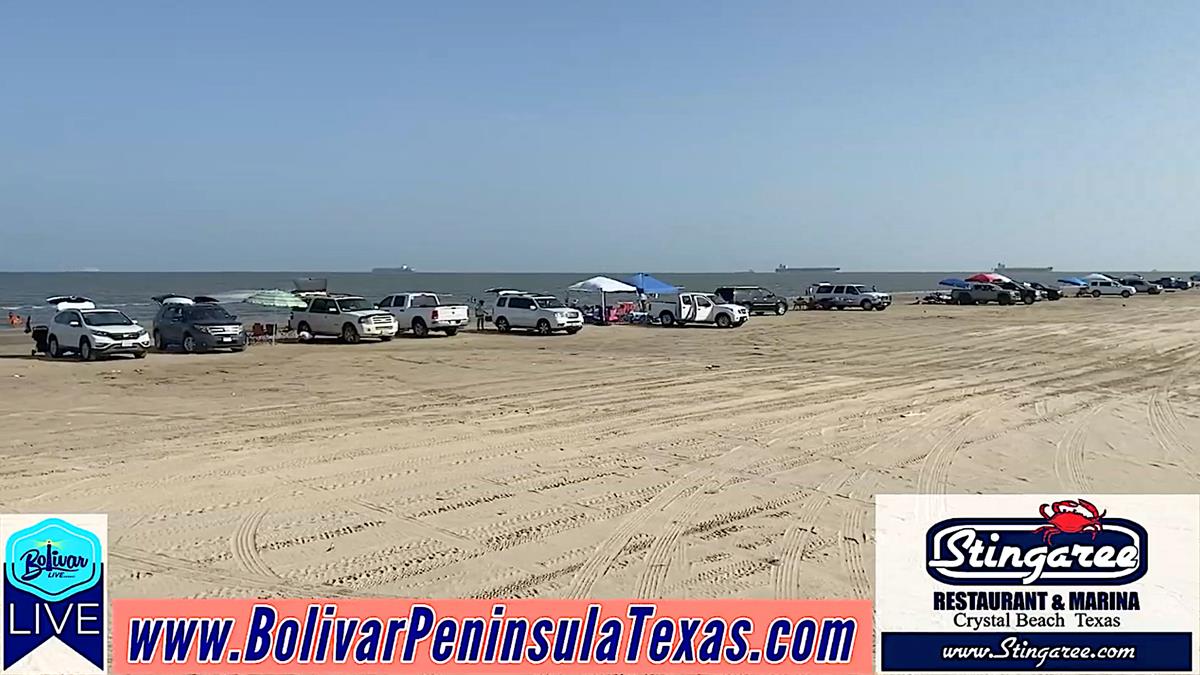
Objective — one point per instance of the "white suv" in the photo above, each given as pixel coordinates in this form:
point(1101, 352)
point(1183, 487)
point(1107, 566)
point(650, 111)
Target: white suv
point(349, 317)
point(1098, 288)
point(542, 313)
point(91, 332)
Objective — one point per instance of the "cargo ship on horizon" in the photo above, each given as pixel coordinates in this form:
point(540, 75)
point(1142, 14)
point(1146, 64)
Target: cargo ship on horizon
point(784, 268)
point(403, 269)
point(1002, 268)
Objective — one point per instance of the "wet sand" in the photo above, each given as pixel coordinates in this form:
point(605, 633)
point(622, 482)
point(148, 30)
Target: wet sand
point(621, 462)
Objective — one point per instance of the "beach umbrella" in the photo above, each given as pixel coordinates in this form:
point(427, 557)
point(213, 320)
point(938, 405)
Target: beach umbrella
point(275, 298)
point(954, 283)
point(278, 299)
point(988, 278)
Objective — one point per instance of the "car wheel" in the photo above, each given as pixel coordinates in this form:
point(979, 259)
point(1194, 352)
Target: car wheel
point(385, 338)
point(349, 334)
point(572, 331)
point(666, 318)
point(880, 308)
point(450, 332)
point(53, 348)
point(543, 327)
point(781, 309)
point(85, 350)
point(303, 329)
point(723, 321)
point(866, 305)
point(159, 343)
point(1095, 294)
point(1125, 294)
point(189, 343)
point(419, 328)
point(502, 324)
point(840, 307)
point(139, 354)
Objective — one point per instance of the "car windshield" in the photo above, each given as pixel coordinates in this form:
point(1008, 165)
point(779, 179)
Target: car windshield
point(549, 303)
point(110, 317)
point(354, 304)
point(210, 313)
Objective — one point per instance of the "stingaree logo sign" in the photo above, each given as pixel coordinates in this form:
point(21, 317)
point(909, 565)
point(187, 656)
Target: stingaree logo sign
point(1073, 543)
point(53, 594)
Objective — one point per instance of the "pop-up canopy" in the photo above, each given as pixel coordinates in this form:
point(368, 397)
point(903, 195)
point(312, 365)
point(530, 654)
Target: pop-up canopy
point(1072, 281)
point(602, 285)
point(1098, 277)
point(954, 283)
point(651, 286)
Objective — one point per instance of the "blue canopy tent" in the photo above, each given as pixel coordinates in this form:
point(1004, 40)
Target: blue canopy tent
point(954, 283)
point(1073, 281)
point(648, 285)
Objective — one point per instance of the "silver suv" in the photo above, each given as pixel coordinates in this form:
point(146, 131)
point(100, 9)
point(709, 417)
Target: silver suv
point(841, 296)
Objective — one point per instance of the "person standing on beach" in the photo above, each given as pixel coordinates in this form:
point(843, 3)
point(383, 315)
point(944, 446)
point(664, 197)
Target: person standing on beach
point(479, 315)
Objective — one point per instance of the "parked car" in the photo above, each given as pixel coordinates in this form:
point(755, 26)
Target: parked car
point(1174, 283)
point(1195, 278)
point(754, 298)
point(196, 326)
point(1098, 287)
point(542, 313)
point(424, 312)
point(684, 308)
point(81, 328)
point(1051, 292)
point(981, 294)
point(1142, 286)
point(349, 317)
point(1026, 293)
point(841, 296)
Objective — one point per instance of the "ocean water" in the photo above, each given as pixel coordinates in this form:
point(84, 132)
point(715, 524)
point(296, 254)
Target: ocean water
point(25, 292)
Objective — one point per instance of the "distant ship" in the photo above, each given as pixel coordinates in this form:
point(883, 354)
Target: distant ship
point(784, 268)
point(403, 269)
point(1001, 267)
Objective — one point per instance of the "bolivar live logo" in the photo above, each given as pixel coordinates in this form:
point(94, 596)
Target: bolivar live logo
point(53, 594)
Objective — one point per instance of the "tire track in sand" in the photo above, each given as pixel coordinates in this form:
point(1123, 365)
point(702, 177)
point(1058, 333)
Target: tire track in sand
point(935, 469)
point(795, 539)
point(1070, 454)
point(602, 558)
point(244, 545)
point(852, 536)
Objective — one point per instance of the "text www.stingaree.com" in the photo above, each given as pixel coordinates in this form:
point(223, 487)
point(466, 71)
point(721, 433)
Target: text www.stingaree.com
point(1013, 648)
point(421, 636)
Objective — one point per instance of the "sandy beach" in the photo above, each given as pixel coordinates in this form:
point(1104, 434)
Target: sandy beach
point(621, 462)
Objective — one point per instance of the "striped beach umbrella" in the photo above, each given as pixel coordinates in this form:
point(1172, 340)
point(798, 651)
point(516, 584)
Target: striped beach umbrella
point(275, 298)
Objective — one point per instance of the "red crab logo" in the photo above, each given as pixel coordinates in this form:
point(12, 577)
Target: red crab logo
point(1065, 518)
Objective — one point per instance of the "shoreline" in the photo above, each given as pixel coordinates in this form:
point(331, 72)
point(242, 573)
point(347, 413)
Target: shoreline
point(692, 462)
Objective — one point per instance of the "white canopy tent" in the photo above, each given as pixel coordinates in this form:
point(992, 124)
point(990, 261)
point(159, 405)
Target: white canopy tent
point(1098, 277)
point(603, 286)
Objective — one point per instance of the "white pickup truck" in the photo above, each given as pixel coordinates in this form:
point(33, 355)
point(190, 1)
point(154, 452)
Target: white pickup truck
point(349, 317)
point(423, 312)
point(683, 308)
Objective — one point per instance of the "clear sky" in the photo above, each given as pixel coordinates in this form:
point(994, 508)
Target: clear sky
point(556, 136)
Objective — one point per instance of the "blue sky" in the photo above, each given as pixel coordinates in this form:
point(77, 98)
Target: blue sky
point(508, 136)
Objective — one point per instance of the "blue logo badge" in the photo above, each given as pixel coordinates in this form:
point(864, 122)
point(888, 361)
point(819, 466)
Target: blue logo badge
point(53, 560)
point(1073, 543)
